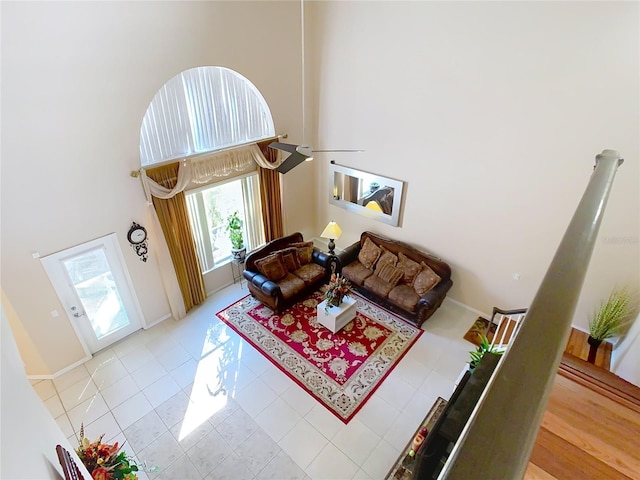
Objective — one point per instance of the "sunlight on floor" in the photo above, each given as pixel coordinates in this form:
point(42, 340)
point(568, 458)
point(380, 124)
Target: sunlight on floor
point(216, 379)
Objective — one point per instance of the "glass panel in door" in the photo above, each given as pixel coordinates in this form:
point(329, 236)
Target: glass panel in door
point(91, 276)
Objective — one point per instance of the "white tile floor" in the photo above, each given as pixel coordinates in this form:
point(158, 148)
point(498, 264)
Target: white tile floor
point(195, 401)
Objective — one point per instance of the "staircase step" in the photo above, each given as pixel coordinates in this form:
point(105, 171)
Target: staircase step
point(601, 381)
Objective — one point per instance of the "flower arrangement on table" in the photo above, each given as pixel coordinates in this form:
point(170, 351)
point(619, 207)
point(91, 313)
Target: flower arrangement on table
point(338, 288)
point(105, 461)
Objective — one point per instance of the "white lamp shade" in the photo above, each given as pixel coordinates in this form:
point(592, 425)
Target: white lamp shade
point(332, 230)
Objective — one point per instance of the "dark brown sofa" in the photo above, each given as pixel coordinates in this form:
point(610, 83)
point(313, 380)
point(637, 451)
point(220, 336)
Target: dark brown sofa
point(396, 276)
point(286, 270)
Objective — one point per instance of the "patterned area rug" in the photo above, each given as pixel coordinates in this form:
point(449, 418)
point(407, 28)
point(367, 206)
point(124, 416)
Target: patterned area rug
point(340, 370)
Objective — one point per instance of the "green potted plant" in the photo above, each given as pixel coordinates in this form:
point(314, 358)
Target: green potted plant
point(609, 319)
point(481, 349)
point(234, 227)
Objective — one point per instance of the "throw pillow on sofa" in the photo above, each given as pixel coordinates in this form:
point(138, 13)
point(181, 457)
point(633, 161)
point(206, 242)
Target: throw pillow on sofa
point(272, 266)
point(386, 257)
point(290, 258)
point(385, 278)
point(425, 280)
point(409, 267)
point(369, 253)
point(305, 250)
point(389, 273)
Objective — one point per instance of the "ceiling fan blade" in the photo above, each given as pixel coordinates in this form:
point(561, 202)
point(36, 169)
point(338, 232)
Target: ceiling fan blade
point(286, 147)
point(299, 153)
point(291, 161)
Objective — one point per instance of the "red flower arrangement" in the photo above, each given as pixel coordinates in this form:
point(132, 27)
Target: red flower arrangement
point(338, 288)
point(105, 461)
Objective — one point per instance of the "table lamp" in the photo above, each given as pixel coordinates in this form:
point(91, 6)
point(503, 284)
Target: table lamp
point(332, 231)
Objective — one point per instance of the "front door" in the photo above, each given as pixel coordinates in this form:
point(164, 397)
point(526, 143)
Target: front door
point(94, 286)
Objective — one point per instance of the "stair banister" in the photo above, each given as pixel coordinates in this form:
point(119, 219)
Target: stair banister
point(497, 441)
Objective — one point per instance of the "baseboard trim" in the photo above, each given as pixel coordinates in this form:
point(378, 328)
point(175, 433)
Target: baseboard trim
point(60, 372)
point(160, 320)
point(471, 309)
point(39, 377)
point(227, 285)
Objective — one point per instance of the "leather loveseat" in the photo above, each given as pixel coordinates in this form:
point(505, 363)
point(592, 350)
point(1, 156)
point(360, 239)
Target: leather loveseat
point(396, 276)
point(286, 270)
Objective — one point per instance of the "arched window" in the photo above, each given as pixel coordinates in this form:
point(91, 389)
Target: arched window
point(205, 123)
point(200, 110)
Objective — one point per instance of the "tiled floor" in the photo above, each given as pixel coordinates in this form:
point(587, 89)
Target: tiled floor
point(195, 401)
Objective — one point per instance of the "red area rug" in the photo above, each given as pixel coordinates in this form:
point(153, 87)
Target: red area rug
point(340, 370)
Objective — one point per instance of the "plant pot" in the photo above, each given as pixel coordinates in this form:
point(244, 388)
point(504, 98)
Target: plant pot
point(594, 343)
point(239, 253)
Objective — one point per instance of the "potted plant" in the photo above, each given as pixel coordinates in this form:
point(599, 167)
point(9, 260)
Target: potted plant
point(234, 227)
point(609, 319)
point(338, 288)
point(481, 349)
point(105, 461)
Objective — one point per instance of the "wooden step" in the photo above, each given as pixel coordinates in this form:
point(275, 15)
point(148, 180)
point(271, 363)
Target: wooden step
point(600, 381)
point(585, 436)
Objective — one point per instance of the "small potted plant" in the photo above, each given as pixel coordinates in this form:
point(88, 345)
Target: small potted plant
point(338, 288)
point(609, 319)
point(105, 461)
point(234, 227)
point(481, 349)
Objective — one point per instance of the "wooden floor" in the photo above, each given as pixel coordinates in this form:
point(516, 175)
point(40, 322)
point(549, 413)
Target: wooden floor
point(588, 432)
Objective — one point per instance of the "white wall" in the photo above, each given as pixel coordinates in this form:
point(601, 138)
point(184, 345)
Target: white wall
point(624, 359)
point(492, 113)
point(29, 434)
point(77, 78)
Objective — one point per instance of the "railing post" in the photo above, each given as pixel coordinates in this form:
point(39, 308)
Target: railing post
point(499, 437)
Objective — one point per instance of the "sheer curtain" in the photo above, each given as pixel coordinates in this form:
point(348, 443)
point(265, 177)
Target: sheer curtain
point(203, 109)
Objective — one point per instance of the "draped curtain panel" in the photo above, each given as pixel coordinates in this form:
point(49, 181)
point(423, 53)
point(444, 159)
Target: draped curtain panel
point(270, 193)
point(174, 220)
